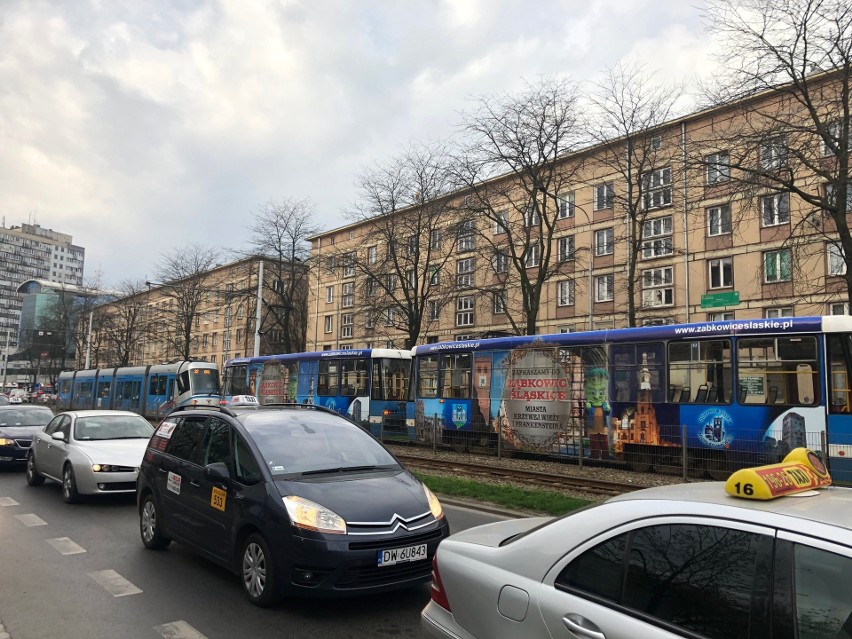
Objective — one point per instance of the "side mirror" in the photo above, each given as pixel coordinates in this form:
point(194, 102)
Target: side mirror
point(217, 473)
point(58, 436)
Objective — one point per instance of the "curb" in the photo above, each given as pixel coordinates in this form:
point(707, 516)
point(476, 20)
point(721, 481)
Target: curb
point(484, 507)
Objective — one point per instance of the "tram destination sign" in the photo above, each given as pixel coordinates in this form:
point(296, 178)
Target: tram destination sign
point(715, 300)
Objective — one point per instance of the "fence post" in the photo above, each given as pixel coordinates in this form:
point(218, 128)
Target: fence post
point(435, 434)
point(683, 457)
point(582, 449)
point(823, 436)
point(382, 429)
point(499, 436)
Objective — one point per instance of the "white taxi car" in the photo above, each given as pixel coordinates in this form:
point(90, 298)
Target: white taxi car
point(766, 554)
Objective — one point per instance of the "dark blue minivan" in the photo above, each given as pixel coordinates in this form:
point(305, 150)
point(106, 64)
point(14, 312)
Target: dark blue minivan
point(295, 499)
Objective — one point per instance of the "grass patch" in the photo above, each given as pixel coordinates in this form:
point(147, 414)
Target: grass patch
point(548, 502)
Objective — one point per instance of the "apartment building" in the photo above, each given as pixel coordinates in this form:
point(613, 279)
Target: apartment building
point(723, 218)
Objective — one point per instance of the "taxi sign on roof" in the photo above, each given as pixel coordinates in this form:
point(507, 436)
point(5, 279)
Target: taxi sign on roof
point(801, 470)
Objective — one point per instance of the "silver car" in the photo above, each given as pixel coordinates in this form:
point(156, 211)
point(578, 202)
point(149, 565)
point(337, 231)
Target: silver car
point(90, 452)
point(676, 561)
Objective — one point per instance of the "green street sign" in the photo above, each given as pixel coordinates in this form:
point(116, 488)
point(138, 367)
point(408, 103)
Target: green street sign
point(715, 300)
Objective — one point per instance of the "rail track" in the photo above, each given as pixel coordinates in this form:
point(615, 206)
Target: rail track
point(518, 476)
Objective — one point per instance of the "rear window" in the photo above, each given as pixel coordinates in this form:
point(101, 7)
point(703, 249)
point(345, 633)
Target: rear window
point(25, 417)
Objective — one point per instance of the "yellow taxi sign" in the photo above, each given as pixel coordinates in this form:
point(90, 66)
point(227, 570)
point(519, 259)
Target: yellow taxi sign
point(801, 470)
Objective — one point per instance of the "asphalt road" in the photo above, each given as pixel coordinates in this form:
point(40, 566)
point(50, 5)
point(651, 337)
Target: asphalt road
point(69, 571)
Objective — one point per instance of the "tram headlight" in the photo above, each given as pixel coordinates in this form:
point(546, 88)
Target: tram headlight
point(310, 515)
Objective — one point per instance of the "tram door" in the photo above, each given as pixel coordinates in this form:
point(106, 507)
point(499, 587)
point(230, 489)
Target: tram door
point(839, 421)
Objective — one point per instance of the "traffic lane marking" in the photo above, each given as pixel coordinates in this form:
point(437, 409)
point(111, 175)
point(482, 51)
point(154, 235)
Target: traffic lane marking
point(8, 501)
point(31, 520)
point(178, 630)
point(114, 584)
point(65, 546)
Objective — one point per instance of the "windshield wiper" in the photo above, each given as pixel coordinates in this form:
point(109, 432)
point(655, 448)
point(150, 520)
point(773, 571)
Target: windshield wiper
point(339, 469)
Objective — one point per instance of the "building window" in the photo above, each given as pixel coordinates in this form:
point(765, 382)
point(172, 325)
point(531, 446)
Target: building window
point(464, 311)
point(719, 317)
point(369, 321)
point(390, 280)
point(349, 265)
point(531, 216)
point(836, 260)
point(500, 262)
point(371, 286)
point(781, 311)
point(604, 242)
point(718, 167)
point(719, 220)
point(413, 245)
point(838, 308)
point(566, 205)
point(204, 339)
point(329, 294)
point(721, 273)
point(604, 195)
point(434, 310)
point(565, 293)
point(499, 303)
point(773, 153)
point(464, 273)
point(329, 324)
point(657, 187)
point(372, 254)
point(777, 266)
point(657, 289)
point(656, 237)
point(566, 248)
point(389, 316)
point(533, 256)
point(346, 325)
point(501, 221)
point(347, 298)
point(215, 340)
point(832, 200)
point(434, 275)
point(603, 288)
point(435, 239)
point(775, 209)
point(465, 235)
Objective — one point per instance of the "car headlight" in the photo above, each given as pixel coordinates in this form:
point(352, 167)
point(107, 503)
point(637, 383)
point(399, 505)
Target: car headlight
point(434, 504)
point(309, 515)
point(111, 468)
point(5, 441)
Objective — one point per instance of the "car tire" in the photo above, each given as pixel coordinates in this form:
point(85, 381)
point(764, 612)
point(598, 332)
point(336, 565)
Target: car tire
point(257, 571)
point(69, 485)
point(34, 478)
point(149, 525)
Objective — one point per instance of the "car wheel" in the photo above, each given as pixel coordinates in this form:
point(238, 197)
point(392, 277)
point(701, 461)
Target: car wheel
point(149, 525)
point(34, 478)
point(257, 571)
point(69, 485)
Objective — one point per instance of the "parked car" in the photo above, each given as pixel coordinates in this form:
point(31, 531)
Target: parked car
point(294, 499)
point(18, 424)
point(18, 396)
point(89, 452)
point(4, 401)
point(676, 561)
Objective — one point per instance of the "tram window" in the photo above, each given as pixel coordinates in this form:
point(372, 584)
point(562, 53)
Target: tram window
point(778, 370)
point(840, 394)
point(157, 385)
point(353, 376)
point(627, 364)
point(455, 372)
point(427, 376)
point(390, 377)
point(237, 384)
point(327, 379)
point(700, 372)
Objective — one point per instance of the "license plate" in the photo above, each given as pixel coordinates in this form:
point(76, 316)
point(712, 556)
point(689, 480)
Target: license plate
point(402, 555)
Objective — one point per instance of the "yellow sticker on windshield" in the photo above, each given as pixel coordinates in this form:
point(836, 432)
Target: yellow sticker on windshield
point(217, 499)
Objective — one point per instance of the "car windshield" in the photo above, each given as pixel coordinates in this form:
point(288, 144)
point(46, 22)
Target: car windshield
point(308, 442)
point(20, 417)
point(112, 427)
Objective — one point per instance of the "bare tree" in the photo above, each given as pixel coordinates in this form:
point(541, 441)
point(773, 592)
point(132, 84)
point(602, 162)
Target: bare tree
point(182, 275)
point(627, 111)
point(121, 328)
point(280, 231)
point(396, 270)
point(788, 64)
point(512, 165)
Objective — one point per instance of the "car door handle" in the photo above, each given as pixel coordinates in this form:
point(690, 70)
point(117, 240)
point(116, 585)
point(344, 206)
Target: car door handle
point(192, 482)
point(583, 627)
point(162, 470)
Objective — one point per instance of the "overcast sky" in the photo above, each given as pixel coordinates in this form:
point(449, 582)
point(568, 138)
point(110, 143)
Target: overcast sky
point(136, 125)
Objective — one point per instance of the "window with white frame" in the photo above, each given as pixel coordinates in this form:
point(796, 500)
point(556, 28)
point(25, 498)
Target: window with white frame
point(604, 195)
point(779, 311)
point(372, 286)
point(829, 195)
point(329, 324)
point(464, 273)
point(777, 266)
point(464, 311)
point(369, 320)
point(721, 273)
point(346, 325)
point(434, 310)
point(604, 242)
point(501, 221)
point(838, 308)
point(434, 275)
point(347, 297)
point(720, 317)
point(604, 288)
point(389, 316)
point(657, 187)
point(411, 276)
point(656, 142)
point(836, 260)
point(773, 153)
point(566, 329)
point(372, 254)
point(657, 237)
point(566, 248)
point(657, 288)
point(718, 167)
point(390, 280)
point(413, 245)
point(719, 220)
point(349, 265)
point(533, 256)
point(330, 264)
point(500, 262)
point(566, 205)
point(775, 209)
point(329, 294)
point(565, 293)
point(499, 303)
point(531, 215)
point(465, 235)
point(435, 239)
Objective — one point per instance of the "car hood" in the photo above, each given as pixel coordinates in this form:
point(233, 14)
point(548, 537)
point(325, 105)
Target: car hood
point(121, 452)
point(20, 432)
point(494, 534)
point(362, 497)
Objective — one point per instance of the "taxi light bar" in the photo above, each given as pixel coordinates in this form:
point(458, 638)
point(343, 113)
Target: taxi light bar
point(801, 470)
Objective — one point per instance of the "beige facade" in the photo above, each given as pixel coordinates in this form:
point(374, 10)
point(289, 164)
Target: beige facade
point(713, 246)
